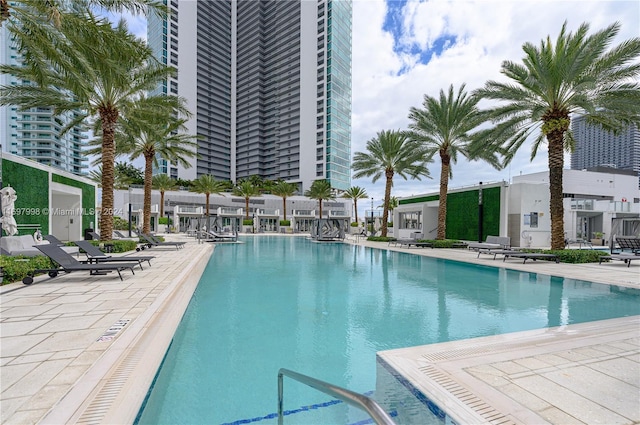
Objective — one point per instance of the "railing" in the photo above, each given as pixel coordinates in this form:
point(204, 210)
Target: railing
point(183, 209)
point(582, 204)
point(230, 211)
point(358, 400)
point(338, 213)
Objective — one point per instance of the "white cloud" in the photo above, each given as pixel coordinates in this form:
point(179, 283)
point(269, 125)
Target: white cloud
point(487, 32)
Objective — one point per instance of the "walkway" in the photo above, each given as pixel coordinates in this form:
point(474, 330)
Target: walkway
point(84, 349)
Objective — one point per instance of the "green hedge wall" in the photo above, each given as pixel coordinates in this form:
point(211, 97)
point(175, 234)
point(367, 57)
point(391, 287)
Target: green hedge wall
point(30, 184)
point(88, 198)
point(462, 213)
point(421, 199)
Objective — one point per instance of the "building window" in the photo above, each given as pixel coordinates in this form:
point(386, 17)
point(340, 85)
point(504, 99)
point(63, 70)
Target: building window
point(410, 220)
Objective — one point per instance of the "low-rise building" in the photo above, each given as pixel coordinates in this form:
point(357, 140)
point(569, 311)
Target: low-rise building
point(595, 203)
point(48, 199)
point(187, 210)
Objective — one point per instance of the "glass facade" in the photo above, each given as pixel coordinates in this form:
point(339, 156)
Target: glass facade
point(338, 100)
point(36, 133)
point(254, 93)
point(596, 147)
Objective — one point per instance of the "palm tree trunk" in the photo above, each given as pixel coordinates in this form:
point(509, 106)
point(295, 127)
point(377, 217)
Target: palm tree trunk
point(146, 207)
point(355, 206)
point(387, 196)
point(109, 118)
point(206, 198)
point(556, 163)
point(162, 203)
point(444, 188)
point(284, 206)
point(246, 204)
point(4, 11)
point(320, 207)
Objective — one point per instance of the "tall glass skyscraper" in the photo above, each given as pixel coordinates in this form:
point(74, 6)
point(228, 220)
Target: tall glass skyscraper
point(36, 133)
point(596, 147)
point(268, 83)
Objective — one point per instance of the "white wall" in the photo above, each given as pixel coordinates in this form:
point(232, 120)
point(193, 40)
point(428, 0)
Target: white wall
point(525, 199)
point(591, 184)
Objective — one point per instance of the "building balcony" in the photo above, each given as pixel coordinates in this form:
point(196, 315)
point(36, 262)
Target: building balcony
point(583, 204)
point(189, 210)
point(230, 212)
point(304, 213)
point(622, 207)
point(138, 208)
point(263, 212)
point(338, 214)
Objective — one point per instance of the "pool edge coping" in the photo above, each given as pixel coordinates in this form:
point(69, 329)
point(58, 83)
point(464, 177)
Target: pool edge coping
point(115, 386)
point(439, 372)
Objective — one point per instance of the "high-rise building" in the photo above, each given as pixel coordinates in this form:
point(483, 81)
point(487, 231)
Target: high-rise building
point(36, 133)
point(268, 83)
point(596, 147)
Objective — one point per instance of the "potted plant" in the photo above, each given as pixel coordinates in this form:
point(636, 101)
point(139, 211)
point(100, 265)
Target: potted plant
point(598, 238)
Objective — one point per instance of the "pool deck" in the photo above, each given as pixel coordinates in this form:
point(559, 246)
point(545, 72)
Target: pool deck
point(84, 349)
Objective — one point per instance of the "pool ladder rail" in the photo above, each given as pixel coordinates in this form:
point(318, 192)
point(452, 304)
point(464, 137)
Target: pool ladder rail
point(361, 401)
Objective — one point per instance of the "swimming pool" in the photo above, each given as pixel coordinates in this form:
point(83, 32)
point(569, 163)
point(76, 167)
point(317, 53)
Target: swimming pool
point(325, 310)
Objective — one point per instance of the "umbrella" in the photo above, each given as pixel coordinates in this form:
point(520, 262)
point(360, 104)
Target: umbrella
point(9, 197)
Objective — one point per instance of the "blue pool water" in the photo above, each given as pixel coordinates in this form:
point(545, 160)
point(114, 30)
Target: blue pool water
point(325, 310)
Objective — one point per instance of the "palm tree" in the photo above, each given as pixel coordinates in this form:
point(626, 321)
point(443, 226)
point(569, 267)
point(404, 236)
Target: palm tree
point(92, 70)
point(163, 183)
point(320, 190)
point(390, 153)
point(21, 11)
point(443, 126)
point(128, 174)
point(121, 181)
point(355, 193)
point(393, 204)
point(284, 190)
point(207, 184)
point(247, 190)
point(154, 136)
point(579, 74)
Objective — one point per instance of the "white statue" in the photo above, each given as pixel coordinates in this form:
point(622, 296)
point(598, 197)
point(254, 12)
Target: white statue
point(9, 197)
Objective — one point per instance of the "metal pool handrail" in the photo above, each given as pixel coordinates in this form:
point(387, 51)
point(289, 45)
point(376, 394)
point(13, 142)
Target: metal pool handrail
point(358, 400)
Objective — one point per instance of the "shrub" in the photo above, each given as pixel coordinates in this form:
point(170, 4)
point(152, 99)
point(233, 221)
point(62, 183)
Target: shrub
point(285, 222)
point(120, 223)
point(573, 256)
point(164, 220)
point(445, 243)
point(380, 238)
point(119, 245)
point(354, 224)
point(247, 222)
point(17, 268)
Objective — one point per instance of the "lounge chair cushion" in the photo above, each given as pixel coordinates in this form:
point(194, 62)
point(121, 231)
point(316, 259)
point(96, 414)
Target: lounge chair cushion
point(25, 245)
point(492, 242)
point(19, 245)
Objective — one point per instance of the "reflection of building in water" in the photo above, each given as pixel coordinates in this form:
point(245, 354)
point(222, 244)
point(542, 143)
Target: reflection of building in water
point(328, 229)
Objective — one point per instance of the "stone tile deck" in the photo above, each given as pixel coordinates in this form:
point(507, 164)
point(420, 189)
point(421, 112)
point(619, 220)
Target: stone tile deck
point(84, 349)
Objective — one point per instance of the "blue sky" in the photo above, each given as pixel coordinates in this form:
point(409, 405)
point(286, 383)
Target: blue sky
point(405, 49)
